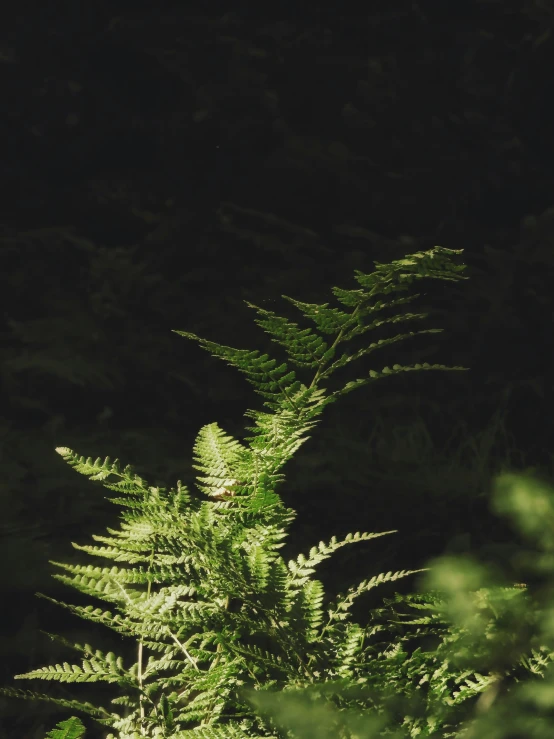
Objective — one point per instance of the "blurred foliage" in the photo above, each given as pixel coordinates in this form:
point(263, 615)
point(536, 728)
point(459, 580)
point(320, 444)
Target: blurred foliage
point(457, 681)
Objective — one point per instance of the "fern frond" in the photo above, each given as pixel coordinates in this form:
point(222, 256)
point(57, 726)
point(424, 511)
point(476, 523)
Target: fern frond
point(117, 623)
point(98, 713)
point(97, 470)
point(104, 667)
point(272, 381)
point(218, 456)
point(72, 728)
point(389, 372)
point(296, 405)
point(106, 584)
point(303, 567)
point(305, 349)
point(335, 321)
point(344, 602)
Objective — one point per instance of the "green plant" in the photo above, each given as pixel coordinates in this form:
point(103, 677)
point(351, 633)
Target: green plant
point(489, 672)
point(212, 606)
point(70, 729)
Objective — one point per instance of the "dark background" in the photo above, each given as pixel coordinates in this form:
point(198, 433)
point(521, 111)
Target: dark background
point(161, 164)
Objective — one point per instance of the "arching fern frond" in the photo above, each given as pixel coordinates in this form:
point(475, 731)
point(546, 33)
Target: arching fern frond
point(295, 405)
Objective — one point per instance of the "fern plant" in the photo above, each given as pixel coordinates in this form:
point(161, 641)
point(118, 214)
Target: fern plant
point(199, 583)
point(489, 673)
